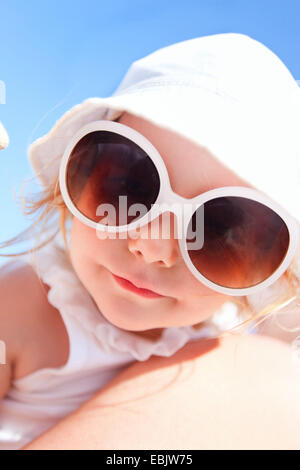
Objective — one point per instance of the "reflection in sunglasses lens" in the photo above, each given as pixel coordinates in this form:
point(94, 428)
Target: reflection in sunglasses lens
point(105, 165)
point(244, 242)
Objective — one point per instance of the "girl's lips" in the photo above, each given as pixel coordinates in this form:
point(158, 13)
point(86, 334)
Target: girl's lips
point(129, 286)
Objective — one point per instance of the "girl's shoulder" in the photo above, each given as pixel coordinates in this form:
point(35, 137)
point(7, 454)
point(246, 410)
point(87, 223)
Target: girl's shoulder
point(31, 328)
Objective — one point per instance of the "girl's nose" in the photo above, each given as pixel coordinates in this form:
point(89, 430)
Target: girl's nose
point(156, 242)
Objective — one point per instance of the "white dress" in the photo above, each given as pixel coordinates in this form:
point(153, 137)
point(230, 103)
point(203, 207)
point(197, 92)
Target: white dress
point(98, 352)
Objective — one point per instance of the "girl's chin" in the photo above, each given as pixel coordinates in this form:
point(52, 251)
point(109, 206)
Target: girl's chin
point(130, 317)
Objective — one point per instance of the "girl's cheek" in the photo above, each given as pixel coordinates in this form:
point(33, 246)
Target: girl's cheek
point(89, 247)
point(83, 238)
point(82, 242)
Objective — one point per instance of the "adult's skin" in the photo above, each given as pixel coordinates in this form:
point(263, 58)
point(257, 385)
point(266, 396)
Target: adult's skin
point(240, 392)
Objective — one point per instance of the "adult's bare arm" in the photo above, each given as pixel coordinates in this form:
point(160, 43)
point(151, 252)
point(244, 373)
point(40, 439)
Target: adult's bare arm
point(238, 393)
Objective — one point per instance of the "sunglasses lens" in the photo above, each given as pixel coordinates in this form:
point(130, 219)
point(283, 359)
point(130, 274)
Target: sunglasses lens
point(105, 165)
point(244, 242)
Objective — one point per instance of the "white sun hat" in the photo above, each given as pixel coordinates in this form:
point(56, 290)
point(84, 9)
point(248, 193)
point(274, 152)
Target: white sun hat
point(226, 92)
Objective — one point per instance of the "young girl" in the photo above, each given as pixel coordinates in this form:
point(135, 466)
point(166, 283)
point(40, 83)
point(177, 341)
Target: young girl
point(183, 127)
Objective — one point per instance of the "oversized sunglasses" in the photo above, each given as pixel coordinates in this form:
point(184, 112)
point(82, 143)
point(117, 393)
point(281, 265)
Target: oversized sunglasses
point(247, 241)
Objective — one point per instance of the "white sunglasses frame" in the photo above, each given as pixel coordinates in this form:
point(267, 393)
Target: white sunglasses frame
point(167, 196)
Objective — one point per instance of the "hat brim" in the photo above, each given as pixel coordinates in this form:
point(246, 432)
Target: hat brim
point(262, 151)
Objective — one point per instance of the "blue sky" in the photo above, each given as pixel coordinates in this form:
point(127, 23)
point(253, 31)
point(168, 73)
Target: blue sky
point(55, 54)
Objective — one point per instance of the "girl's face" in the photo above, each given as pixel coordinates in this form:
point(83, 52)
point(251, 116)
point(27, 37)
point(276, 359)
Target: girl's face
point(154, 264)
